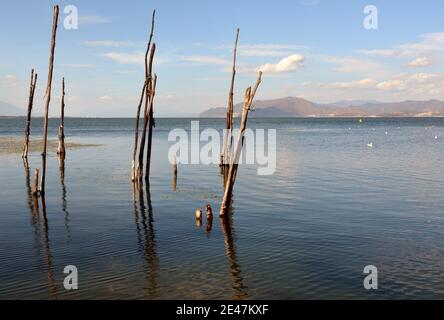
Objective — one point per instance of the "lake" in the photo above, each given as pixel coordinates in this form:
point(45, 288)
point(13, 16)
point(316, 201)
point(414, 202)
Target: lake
point(333, 206)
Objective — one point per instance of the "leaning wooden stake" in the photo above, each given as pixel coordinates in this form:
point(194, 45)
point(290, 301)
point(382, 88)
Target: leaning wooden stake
point(231, 177)
point(61, 147)
point(226, 151)
point(48, 97)
point(28, 115)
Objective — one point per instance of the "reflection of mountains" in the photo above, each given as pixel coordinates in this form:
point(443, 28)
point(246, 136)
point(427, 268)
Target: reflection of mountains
point(299, 107)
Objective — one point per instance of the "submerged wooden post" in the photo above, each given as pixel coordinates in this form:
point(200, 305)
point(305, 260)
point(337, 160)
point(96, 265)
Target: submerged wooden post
point(48, 96)
point(231, 177)
point(28, 115)
point(61, 147)
point(226, 150)
point(35, 190)
point(175, 174)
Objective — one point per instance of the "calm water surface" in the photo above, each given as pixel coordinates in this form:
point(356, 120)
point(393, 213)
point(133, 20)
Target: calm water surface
point(333, 206)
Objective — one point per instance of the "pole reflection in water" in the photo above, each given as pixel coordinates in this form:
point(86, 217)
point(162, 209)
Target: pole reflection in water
point(48, 256)
point(64, 194)
point(146, 238)
point(33, 205)
point(230, 251)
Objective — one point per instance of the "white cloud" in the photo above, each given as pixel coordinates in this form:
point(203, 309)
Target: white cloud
point(8, 80)
point(382, 52)
point(93, 19)
point(420, 62)
point(394, 84)
point(79, 65)
point(417, 86)
point(112, 43)
point(268, 50)
point(137, 57)
point(105, 98)
point(362, 67)
point(290, 63)
point(357, 84)
point(430, 42)
point(206, 60)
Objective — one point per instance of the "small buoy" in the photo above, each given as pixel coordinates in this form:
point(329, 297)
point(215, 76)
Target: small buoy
point(370, 145)
point(198, 214)
point(360, 120)
point(209, 211)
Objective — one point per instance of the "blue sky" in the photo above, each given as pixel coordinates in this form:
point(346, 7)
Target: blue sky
point(315, 49)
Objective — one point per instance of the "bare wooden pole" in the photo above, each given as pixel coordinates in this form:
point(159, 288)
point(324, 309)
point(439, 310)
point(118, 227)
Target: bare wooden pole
point(150, 128)
point(149, 43)
point(175, 174)
point(134, 168)
point(226, 151)
point(136, 134)
point(35, 190)
point(48, 96)
point(28, 115)
point(61, 147)
point(231, 178)
point(149, 88)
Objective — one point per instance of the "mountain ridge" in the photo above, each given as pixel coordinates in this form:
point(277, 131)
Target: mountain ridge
point(300, 107)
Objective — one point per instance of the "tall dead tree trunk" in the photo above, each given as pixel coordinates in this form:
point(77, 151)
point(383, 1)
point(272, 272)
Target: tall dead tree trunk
point(48, 96)
point(136, 134)
point(28, 115)
point(61, 147)
point(148, 80)
point(226, 151)
point(151, 127)
point(147, 111)
point(231, 177)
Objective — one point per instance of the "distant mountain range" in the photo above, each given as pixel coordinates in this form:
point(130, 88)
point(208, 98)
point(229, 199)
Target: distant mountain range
point(8, 110)
point(299, 107)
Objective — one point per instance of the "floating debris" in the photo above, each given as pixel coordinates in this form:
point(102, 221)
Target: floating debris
point(209, 212)
point(199, 214)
